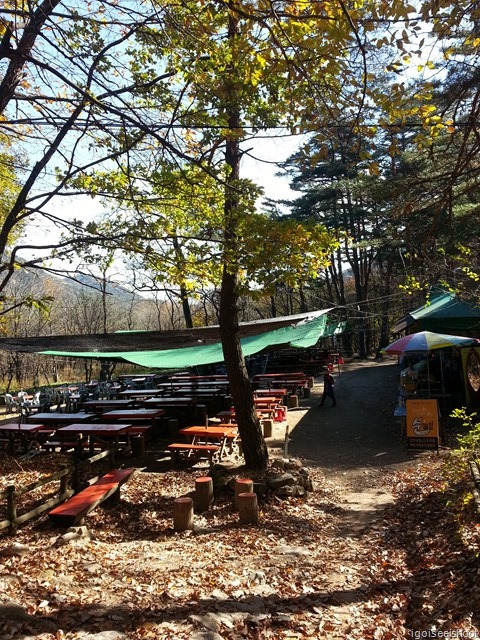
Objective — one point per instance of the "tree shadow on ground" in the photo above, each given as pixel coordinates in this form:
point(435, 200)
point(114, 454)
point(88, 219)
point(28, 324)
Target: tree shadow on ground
point(440, 582)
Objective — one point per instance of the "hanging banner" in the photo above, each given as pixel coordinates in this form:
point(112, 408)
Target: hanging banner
point(422, 424)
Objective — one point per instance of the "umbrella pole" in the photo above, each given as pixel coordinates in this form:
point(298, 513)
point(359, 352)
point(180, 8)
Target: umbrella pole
point(443, 384)
point(428, 375)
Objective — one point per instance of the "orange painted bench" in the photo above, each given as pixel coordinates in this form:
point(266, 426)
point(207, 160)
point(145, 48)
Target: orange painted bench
point(79, 505)
point(186, 451)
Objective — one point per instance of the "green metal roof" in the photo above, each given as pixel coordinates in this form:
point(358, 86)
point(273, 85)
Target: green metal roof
point(444, 312)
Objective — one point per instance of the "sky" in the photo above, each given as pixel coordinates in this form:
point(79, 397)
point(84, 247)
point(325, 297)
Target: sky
point(259, 165)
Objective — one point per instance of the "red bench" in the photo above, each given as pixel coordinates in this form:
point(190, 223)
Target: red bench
point(78, 506)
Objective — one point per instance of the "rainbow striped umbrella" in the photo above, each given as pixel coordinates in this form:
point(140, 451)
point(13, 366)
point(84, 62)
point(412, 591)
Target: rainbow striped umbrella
point(425, 341)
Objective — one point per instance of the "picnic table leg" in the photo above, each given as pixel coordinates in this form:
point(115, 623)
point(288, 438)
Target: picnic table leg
point(221, 453)
point(11, 444)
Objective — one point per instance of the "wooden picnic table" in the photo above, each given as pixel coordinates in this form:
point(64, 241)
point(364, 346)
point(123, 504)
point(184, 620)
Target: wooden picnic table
point(20, 432)
point(284, 375)
point(200, 391)
point(194, 383)
point(134, 415)
point(141, 393)
point(20, 428)
point(186, 410)
point(170, 401)
point(99, 405)
point(279, 392)
point(222, 435)
point(289, 381)
point(266, 401)
point(212, 377)
point(57, 418)
point(95, 431)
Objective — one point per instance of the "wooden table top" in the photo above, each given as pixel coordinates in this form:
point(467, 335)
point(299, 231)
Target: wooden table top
point(172, 401)
point(57, 418)
point(26, 428)
point(96, 428)
point(133, 414)
point(97, 404)
point(141, 393)
point(268, 392)
point(217, 431)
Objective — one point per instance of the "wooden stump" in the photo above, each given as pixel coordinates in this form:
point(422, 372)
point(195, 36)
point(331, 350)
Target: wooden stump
point(310, 382)
point(183, 514)
point(267, 428)
point(293, 402)
point(242, 485)
point(203, 493)
point(248, 508)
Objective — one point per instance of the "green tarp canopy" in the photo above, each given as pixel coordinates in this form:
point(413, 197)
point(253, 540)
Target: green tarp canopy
point(303, 334)
point(444, 313)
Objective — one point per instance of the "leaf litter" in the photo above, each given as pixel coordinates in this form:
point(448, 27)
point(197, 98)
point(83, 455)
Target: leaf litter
point(294, 575)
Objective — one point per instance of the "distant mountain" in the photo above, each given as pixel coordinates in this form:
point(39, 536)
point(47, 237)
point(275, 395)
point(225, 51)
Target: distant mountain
point(38, 282)
point(114, 289)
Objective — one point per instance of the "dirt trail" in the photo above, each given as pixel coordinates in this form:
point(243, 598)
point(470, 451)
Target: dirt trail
point(357, 445)
point(357, 442)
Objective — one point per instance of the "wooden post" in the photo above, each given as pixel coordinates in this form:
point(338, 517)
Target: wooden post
point(203, 493)
point(11, 507)
point(267, 428)
point(76, 475)
point(183, 514)
point(201, 414)
point(138, 445)
point(311, 381)
point(172, 425)
point(293, 402)
point(248, 508)
point(64, 480)
point(285, 444)
point(242, 485)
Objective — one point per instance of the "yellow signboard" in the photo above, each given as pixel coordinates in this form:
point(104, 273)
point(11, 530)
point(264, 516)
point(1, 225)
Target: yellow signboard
point(422, 424)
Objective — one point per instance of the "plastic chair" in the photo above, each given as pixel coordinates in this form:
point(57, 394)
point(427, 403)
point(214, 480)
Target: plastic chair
point(22, 398)
point(35, 404)
point(11, 404)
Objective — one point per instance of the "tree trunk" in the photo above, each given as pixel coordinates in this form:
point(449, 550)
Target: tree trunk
point(253, 443)
point(187, 314)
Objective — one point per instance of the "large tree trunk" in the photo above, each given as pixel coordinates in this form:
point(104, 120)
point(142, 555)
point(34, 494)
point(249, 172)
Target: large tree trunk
point(253, 443)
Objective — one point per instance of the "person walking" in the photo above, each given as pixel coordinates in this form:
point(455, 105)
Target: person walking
point(328, 388)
